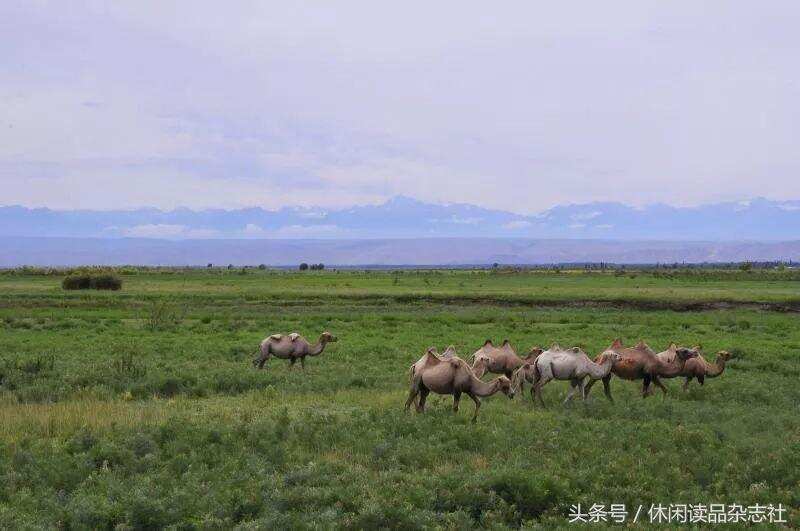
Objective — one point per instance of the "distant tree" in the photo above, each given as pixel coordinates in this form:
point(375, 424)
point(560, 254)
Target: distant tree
point(210, 265)
point(495, 265)
point(262, 266)
point(746, 266)
point(320, 266)
point(230, 266)
point(303, 266)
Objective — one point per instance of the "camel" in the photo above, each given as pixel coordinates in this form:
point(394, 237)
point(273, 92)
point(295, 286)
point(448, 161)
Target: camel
point(500, 360)
point(559, 364)
point(641, 363)
point(291, 347)
point(696, 367)
point(450, 376)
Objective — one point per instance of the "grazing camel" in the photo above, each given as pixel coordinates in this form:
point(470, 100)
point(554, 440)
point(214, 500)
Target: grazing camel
point(291, 347)
point(558, 364)
point(641, 363)
point(696, 367)
point(450, 376)
point(500, 360)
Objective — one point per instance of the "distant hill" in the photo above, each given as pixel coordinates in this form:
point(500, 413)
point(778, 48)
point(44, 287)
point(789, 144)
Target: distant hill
point(403, 217)
point(16, 251)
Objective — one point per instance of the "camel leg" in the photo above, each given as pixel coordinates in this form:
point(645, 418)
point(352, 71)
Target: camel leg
point(657, 381)
point(261, 360)
point(701, 379)
point(606, 388)
point(412, 395)
point(292, 361)
point(646, 385)
point(538, 388)
point(423, 396)
point(456, 400)
point(686, 383)
point(573, 387)
point(303, 363)
point(477, 405)
point(582, 384)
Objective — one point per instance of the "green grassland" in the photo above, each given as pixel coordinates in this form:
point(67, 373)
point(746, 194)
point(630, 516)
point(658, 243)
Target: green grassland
point(140, 408)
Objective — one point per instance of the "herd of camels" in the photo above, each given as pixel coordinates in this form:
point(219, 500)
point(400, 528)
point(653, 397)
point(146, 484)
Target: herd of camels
point(448, 374)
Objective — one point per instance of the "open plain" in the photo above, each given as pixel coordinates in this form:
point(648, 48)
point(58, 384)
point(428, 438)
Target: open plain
point(140, 408)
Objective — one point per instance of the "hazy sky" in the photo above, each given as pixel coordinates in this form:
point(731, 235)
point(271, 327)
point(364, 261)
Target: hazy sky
point(511, 105)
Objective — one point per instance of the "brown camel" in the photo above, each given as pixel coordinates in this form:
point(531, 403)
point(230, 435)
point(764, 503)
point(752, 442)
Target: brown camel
point(500, 360)
point(697, 367)
point(450, 376)
point(640, 363)
point(291, 347)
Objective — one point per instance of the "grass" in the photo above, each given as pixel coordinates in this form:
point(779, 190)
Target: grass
point(140, 409)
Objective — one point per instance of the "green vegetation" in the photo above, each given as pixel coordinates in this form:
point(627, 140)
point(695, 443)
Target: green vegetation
point(92, 281)
point(140, 409)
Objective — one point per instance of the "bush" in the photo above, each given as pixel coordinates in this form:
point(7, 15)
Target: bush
point(91, 281)
point(303, 266)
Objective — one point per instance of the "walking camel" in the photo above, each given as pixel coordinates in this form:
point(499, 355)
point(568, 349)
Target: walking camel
point(450, 376)
point(291, 347)
point(500, 360)
point(559, 364)
point(696, 367)
point(641, 363)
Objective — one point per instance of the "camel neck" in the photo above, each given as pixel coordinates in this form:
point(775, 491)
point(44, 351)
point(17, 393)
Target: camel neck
point(715, 369)
point(482, 388)
point(317, 348)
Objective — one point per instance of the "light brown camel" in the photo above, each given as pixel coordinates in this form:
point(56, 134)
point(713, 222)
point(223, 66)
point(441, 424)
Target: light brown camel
point(640, 363)
point(450, 376)
point(500, 360)
point(696, 367)
point(291, 347)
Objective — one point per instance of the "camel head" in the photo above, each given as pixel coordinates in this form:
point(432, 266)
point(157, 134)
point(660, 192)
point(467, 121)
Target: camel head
point(534, 353)
point(608, 354)
point(684, 353)
point(327, 337)
point(479, 366)
point(504, 384)
point(724, 355)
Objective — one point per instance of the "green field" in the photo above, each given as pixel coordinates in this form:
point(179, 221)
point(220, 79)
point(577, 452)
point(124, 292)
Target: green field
point(140, 408)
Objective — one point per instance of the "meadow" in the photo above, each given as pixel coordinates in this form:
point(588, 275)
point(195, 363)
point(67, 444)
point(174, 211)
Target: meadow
point(140, 409)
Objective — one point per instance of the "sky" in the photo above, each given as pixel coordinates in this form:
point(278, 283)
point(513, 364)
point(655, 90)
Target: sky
point(517, 106)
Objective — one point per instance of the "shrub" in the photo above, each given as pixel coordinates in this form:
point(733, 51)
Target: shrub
point(303, 266)
point(89, 281)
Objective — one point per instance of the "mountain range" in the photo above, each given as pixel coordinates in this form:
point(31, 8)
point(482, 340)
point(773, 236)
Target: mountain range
point(758, 219)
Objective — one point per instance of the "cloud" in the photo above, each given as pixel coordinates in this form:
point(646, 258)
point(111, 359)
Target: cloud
point(457, 220)
point(517, 225)
point(166, 231)
point(586, 216)
point(259, 108)
point(294, 231)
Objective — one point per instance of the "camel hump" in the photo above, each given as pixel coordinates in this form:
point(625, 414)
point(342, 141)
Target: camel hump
point(293, 336)
point(506, 342)
point(555, 346)
point(449, 352)
point(431, 350)
point(488, 343)
point(616, 344)
point(672, 346)
point(276, 337)
point(641, 344)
